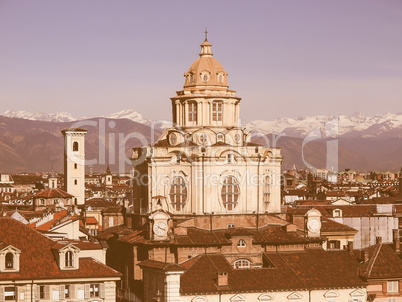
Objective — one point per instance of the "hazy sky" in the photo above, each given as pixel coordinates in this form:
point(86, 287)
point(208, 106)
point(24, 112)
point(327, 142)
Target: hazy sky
point(285, 58)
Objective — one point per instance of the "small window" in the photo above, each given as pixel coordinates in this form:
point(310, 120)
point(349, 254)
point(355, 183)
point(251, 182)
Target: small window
point(334, 245)
point(67, 292)
point(231, 225)
point(75, 182)
point(217, 111)
point(230, 158)
point(192, 112)
point(267, 189)
point(241, 243)
point(69, 259)
point(9, 260)
point(42, 201)
point(10, 293)
point(94, 290)
point(75, 166)
point(203, 138)
point(392, 300)
point(393, 286)
point(75, 146)
point(42, 292)
point(242, 263)
point(220, 138)
point(337, 213)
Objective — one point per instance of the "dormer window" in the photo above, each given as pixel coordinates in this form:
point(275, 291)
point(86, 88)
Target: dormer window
point(242, 263)
point(9, 261)
point(337, 213)
point(69, 259)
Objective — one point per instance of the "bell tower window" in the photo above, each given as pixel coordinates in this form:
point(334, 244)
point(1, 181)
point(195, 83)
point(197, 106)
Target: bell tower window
point(192, 112)
point(217, 111)
point(75, 146)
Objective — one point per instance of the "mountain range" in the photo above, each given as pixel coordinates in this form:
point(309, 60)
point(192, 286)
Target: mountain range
point(32, 141)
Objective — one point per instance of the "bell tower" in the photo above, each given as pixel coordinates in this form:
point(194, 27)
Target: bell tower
point(74, 163)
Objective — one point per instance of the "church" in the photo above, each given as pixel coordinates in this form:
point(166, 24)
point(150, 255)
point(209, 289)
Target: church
point(206, 223)
point(206, 163)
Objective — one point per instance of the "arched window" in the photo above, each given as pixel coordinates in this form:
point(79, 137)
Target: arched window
point(69, 259)
point(75, 182)
point(220, 137)
point(9, 260)
point(75, 146)
point(230, 193)
point(192, 112)
point(178, 193)
point(217, 111)
point(242, 263)
point(267, 189)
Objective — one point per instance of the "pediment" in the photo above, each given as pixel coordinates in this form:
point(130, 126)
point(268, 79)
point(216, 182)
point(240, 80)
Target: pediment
point(69, 247)
point(357, 293)
point(331, 294)
point(237, 298)
point(10, 248)
point(265, 297)
point(294, 296)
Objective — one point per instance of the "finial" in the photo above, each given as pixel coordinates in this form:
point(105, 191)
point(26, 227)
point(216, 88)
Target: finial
point(206, 34)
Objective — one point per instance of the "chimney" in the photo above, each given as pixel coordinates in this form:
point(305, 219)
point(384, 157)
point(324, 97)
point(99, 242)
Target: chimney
point(378, 240)
point(350, 247)
point(397, 241)
point(223, 279)
point(364, 255)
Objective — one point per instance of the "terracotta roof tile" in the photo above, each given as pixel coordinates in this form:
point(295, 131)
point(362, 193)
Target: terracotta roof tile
point(53, 193)
point(37, 260)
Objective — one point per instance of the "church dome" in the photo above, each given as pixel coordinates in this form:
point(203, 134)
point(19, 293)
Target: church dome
point(206, 70)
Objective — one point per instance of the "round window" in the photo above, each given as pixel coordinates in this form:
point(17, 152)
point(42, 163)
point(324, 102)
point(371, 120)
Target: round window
point(237, 137)
point(203, 138)
point(173, 139)
point(205, 78)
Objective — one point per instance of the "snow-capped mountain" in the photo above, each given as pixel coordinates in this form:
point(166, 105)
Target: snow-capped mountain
point(42, 116)
point(329, 125)
point(131, 115)
point(344, 125)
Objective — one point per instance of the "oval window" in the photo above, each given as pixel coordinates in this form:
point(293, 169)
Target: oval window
point(173, 139)
point(230, 193)
point(178, 193)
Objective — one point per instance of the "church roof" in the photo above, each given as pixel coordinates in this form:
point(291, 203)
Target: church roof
point(206, 64)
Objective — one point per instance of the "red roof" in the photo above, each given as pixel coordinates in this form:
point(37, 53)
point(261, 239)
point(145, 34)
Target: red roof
point(310, 269)
point(91, 220)
point(37, 260)
point(53, 193)
point(58, 218)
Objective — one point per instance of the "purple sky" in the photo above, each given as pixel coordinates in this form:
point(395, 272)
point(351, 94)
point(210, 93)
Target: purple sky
point(285, 58)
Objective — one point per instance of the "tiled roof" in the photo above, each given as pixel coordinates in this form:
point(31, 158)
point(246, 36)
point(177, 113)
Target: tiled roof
point(113, 209)
point(82, 245)
point(37, 260)
point(58, 218)
point(329, 225)
point(382, 262)
point(53, 193)
point(161, 265)
point(278, 234)
point(310, 269)
point(99, 203)
point(91, 220)
point(119, 230)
